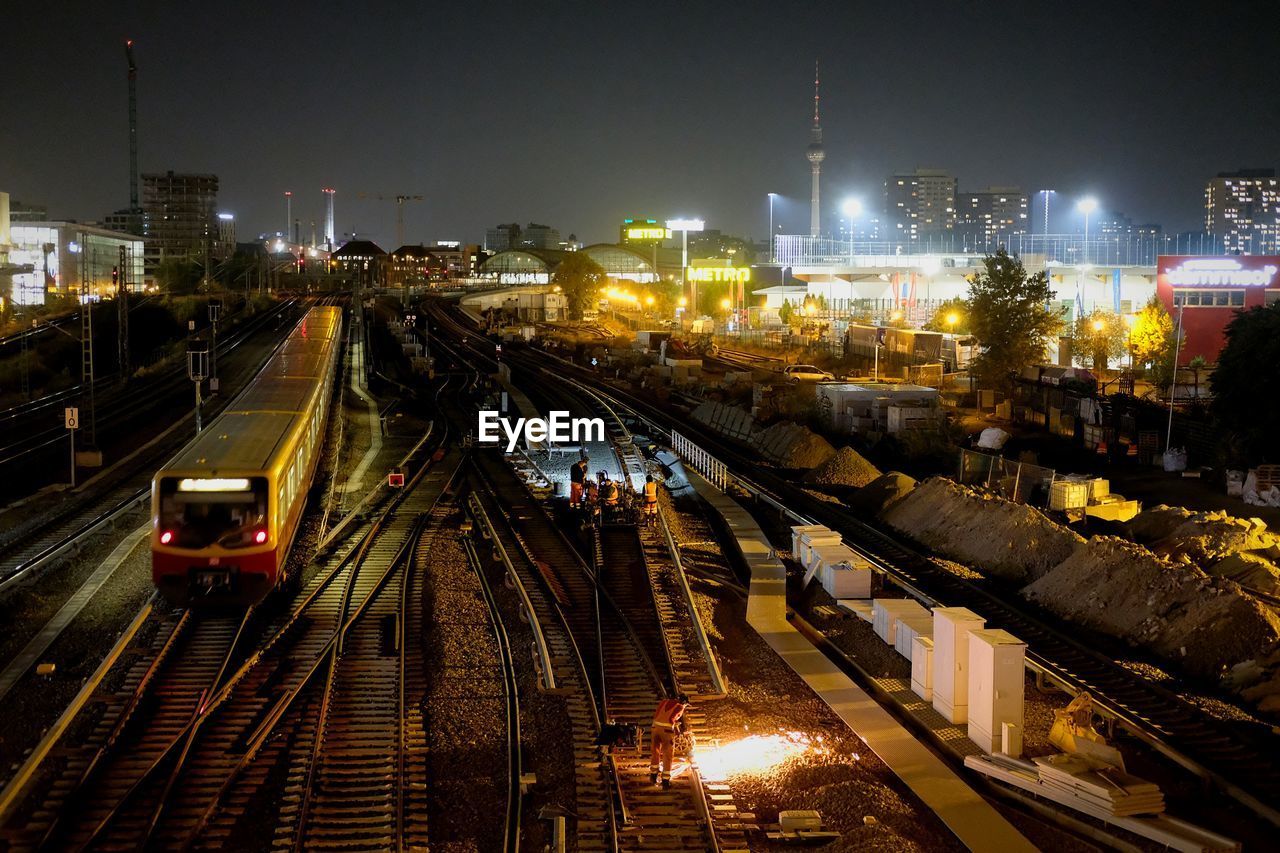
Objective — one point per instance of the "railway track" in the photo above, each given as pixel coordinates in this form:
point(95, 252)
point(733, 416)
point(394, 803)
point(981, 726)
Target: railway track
point(164, 758)
point(501, 504)
point(620, 661)
point(25, 437)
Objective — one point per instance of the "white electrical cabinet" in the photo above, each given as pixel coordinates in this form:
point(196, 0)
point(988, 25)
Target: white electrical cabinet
point(951, 629)
point(996, 685)
point(922, 667)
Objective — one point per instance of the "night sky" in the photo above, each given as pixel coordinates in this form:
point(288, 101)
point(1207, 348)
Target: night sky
point(579, 114)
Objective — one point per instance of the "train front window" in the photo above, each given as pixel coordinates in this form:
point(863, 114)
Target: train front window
point(200, 512)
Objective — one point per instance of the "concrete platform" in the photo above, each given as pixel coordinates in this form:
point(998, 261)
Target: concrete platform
point(973, 820)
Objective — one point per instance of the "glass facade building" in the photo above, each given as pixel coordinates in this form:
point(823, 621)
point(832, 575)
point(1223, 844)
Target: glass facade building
point(70, 259)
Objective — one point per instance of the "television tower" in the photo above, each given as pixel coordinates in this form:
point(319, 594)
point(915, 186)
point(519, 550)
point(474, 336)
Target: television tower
point(328, 218)
point(816, 155)
point(288, 212)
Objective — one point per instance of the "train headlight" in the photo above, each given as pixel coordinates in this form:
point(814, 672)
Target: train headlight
point(260, 537)
point(166, 537)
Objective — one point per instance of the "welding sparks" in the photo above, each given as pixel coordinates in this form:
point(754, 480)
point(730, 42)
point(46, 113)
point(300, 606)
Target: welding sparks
point(755, 754)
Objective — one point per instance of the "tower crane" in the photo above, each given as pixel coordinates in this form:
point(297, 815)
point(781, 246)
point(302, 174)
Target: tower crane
point(400, 202)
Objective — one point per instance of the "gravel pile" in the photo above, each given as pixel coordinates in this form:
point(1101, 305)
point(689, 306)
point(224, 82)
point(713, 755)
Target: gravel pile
point(881, 493)
point(846, 468)
point(1008, 540)
point(1176, 610)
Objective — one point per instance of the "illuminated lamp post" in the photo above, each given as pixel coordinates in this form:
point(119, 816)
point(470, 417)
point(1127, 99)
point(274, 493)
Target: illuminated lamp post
point(1086, 205)
point(684, 226)
point(772, 196)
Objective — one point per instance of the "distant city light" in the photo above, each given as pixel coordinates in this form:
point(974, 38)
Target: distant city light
point(226, 217)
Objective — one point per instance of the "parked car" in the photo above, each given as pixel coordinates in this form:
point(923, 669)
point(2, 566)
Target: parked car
point(805, 373)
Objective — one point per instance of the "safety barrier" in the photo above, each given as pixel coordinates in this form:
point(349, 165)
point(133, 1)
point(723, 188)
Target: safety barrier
point(711, 468)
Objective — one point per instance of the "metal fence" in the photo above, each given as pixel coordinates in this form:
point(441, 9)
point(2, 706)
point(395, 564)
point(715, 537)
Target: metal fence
point(1103, 249)
point(1017, 481)
point(701, 461)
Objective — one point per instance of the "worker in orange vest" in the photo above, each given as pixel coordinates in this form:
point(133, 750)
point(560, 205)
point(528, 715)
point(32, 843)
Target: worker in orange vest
point(668, 719)
point(650, 499)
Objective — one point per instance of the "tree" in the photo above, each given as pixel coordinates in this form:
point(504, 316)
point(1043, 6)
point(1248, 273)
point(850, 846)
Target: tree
point(784, 313)
point(1152, 336)
point(1099, 336)
point(178, 275)
point(1009, 312)
point(580, 278)
point(955, 309)
point(1246, 384)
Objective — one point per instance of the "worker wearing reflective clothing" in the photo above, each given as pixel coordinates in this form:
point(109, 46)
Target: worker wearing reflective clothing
point(609, 493)
point(650, 497)
point(668, 718)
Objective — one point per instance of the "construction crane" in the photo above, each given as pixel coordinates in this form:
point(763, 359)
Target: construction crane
point(133, 126)
point(400, 201)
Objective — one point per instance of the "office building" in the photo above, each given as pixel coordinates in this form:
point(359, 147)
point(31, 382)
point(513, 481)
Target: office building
point(512, 236)
point(920, 205)
point(1242, 210)
point(179, 218)
point(66, 259)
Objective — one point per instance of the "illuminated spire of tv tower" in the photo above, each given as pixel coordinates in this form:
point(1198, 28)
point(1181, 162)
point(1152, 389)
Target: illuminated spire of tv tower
point(816, 155)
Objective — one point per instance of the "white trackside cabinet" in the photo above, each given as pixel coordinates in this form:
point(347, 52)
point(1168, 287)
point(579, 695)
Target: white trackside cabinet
point(996, 682)
point(951, 629)
point(922, 667)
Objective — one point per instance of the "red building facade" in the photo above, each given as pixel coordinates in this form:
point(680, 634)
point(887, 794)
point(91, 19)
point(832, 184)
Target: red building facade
point(1206, 292)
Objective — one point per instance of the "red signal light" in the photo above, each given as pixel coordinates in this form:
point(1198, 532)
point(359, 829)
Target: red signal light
point(260, 537)
point(166, 537)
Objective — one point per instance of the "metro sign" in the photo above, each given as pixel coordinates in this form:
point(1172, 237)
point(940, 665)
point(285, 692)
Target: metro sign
point(719, 274)
point(1226, 271)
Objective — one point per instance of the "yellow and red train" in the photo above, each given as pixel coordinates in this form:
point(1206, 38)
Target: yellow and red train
point(225, 509)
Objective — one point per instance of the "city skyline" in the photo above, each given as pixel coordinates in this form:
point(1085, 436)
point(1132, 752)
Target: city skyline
point(461, 124)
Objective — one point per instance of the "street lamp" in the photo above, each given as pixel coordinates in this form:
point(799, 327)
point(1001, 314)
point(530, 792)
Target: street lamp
point(1086, 205)
point(772, 196)
point(684, 226)
point(1098, 325)
point(852, 209)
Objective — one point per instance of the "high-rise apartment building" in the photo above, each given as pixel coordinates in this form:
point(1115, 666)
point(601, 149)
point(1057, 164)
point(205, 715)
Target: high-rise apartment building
point(512, 236)
point(919, 205)
point(179, 217)
point(986, 217)
point(1242, 210)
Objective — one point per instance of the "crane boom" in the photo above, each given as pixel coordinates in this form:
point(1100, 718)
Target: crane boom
point(133, 125)
point(400, 200)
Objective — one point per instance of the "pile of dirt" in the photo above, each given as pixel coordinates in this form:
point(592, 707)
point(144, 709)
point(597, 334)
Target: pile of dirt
point(846, 468)
point(881, 493)
point(1225, 546)
point(790, 445)
point(998, 537)
point(1174, 609)
point(1201, 537)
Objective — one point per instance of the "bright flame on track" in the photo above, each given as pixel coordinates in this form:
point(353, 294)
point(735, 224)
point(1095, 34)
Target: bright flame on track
point(755, 754)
